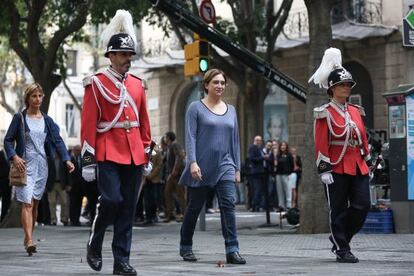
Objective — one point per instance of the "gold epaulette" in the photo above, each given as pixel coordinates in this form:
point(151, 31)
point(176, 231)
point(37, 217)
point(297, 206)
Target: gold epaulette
point(320, 111)
point(360, 108)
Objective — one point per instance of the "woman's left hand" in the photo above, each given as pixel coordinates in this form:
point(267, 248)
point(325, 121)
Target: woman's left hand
point(238, 177)
point(70, 166)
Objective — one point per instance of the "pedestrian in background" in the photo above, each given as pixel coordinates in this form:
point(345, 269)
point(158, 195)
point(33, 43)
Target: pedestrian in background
point(284, 161)
point(269, 184)
point(342, 155)
point(151, 185)
point(257, 160)
point(29, 151)
point(174, 167)
point(57, 192)
point(213, 160)
point(297, 171)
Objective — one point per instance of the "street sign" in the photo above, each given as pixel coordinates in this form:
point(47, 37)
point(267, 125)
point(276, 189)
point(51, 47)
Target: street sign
point(207, 11)
point(408, 29)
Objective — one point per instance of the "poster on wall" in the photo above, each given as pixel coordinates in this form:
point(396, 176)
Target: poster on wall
point(275, 125)
point(410, 145)
point(396, 122)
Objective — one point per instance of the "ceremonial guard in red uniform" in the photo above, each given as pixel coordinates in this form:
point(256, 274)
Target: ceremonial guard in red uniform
point(342, 155)
point(115, 133)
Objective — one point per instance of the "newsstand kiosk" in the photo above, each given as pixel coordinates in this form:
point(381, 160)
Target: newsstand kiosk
point(401, 160)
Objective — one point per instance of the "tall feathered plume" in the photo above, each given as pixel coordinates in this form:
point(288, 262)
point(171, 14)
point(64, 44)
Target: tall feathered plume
point(331, 60)
point(120, 23)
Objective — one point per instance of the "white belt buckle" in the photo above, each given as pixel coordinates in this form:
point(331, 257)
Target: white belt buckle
point(126, 124)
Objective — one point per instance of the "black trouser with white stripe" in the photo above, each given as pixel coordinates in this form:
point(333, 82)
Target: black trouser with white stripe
point(118, 187)
point(349, 202)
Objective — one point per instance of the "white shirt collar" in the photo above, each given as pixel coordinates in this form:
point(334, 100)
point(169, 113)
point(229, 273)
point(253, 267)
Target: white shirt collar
point(114, 73)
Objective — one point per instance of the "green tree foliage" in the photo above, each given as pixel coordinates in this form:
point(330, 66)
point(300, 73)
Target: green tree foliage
point(37, 30)
point(253, 22)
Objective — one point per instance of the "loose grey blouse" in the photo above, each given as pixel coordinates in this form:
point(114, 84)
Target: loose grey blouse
point(212, 141)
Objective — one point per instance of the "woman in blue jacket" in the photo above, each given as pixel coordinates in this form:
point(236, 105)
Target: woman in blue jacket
point(28, 146)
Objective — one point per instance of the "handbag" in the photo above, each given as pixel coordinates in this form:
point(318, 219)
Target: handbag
point(16, 177)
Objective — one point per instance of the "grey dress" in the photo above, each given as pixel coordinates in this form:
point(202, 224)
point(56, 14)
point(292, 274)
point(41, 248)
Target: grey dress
point(36, 162)
point(212, 141)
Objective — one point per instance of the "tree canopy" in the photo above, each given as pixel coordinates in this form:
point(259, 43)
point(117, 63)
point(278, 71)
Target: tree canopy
point(37, 30)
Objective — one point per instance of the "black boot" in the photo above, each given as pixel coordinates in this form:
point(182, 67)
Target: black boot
point(346, 257)
point(235, 258)
point(93, 258)
point(124, 269)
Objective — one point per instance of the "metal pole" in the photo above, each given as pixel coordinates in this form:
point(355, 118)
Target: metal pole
point(266, 187)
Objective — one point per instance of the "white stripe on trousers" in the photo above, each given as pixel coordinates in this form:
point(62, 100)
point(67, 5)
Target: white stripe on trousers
point(330, 216)
point(97, 209)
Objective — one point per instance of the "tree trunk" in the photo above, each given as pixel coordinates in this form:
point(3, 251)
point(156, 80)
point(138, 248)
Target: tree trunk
point(48, 84)
point(314, 215)
point(255, 93)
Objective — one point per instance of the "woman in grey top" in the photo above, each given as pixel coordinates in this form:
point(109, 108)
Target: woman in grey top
point(213, 161)
point(28, 147)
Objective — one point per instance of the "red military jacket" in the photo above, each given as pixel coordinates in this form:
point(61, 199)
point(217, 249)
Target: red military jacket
point(331, 143)
point(120, 145)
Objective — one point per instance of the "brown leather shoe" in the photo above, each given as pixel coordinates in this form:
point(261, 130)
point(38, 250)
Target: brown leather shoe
point(179, 218)
point(168, 219)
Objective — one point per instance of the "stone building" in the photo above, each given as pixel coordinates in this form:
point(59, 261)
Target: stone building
point(372, 52)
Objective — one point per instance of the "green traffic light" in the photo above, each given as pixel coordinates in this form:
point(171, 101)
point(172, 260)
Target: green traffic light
point(203, 65)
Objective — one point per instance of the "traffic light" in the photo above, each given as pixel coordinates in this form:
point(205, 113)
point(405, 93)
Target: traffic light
point(196, 57)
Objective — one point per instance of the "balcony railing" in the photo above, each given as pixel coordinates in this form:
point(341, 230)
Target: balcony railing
point(358, 11)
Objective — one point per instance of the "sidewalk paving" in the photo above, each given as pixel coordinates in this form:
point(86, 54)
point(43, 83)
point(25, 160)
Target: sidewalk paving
point(268, 251)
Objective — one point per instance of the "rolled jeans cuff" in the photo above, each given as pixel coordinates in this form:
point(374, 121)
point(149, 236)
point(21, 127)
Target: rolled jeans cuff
point(232, 248)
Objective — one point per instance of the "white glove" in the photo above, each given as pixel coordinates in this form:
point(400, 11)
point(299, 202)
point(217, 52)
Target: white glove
point(147, 169)
point(89, 173)
point(327, 178)
point(371, 176)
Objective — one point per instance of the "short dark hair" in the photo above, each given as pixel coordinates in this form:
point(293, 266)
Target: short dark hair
point(170, 135)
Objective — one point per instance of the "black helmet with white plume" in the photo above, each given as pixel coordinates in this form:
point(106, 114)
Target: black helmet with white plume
point(119, 35)
point(331, 72)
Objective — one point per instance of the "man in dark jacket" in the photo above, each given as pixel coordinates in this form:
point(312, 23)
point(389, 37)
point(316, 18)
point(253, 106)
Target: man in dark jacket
point(57, 191)
point(257, 158)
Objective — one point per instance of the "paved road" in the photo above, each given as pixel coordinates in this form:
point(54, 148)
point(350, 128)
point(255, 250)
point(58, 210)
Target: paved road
point(269, 251)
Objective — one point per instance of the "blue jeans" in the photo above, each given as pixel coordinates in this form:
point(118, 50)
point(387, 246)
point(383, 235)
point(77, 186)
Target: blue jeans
point(226, 196)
